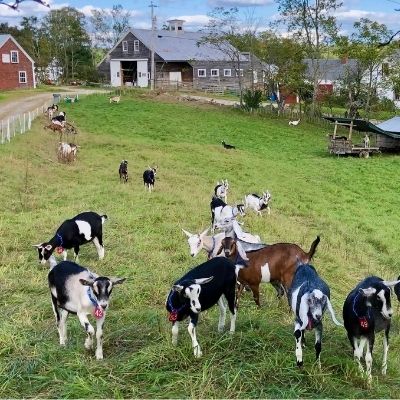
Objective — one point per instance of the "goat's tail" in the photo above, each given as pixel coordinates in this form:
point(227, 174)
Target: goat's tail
point(330, 308)
point(313, 248)
point(104, 218)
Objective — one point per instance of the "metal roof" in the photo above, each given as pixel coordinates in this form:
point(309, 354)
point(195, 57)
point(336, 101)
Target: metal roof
point(391, 125)
point(180, 45)
point(330, 70)
point(3, 39)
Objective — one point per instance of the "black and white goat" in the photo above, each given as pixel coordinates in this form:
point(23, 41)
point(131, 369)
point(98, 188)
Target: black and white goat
point(198, 290)
point(51, 110)
point(60, 119)
point(258, 203)
point(221, 190)
point(366, 310)
point(149, 178)
point(72, 233)
point(220, 211)
point(76, 290)
point(308, 297)
point(123, 171)
point(210, 244)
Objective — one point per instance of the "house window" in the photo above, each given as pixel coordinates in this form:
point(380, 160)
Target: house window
point(125, 46)
point(136, 46)
point(5, 58)
point(227, 72)
point(201, 73)
point(14, 57)
point(215, 72)
point(117, 74)
point(240, 71)
point(22, 76)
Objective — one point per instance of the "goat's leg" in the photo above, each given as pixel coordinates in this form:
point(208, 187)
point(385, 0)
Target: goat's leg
point(318, 344)
point(303, 339)
point(256, 294)
point(230, 297)
point(299, 350)
point(99, 338)
point(222, 314)
point(385, 350)
point(239, 293)
point(83, 319)
point(175, 331)
point(269, 210)
point(192, 332)
point(76, 252)
point(64, 253)
point(62, 328)
point(57, 314)
point(368, 357)
point(358, 351)
point(98, 242)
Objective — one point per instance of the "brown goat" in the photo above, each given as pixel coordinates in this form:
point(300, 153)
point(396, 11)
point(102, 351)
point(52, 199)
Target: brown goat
point(274, 263)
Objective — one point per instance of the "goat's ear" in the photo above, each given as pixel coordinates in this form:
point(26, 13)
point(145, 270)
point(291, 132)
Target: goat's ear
point(117, 281)
point(84, 282)
point(241, 251)
point(37, 245)
point(49, 247)
point(368, 292)
point(390, 284)
point(177, 288)
point(188, 234)
point(204, 233)
point(220, 250)
point(202, 281)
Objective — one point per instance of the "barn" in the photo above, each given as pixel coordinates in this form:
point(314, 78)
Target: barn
point(17, 68)
point(178, 57)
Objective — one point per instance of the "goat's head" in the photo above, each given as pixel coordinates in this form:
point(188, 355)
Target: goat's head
point(397, 289)
point(45, 250)
point(225, 183)
point(316, 302)
point(190, 291)
point(102, 288)
point(378, 297)
point(240, 209)
point(195, 241)
point(266, 197)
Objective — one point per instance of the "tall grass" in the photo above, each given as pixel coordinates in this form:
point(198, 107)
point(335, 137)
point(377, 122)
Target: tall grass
point(351, 203)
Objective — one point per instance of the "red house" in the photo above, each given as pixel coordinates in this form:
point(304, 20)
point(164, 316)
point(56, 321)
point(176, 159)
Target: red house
point(17, 69)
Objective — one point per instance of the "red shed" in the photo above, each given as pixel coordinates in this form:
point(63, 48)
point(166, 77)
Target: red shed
point(17, 69)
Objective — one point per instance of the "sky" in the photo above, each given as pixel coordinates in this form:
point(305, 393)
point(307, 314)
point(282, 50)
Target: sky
point(195, 12)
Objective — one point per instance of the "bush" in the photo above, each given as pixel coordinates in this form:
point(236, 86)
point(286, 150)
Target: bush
point(252, 99)
point(385, 104)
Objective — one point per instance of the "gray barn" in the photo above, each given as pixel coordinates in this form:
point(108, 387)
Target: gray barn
point(179, 58)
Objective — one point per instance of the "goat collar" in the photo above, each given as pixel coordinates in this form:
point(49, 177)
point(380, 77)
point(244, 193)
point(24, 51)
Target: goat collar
point(362, 320)
point(60, 247)
point(98, 312)
point(173, 314)
point(212, 248)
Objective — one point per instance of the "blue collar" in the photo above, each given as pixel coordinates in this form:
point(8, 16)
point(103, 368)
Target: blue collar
point(91, 298)
point(177, 310)
point(59, 237)
point(354, 310)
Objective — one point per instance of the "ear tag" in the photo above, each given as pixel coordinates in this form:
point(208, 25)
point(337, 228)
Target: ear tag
point(173, 316)
point(60, 250)
point(363, 322)
point(98, 312)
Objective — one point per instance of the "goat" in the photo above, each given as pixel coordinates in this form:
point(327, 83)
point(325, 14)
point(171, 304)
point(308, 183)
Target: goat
point(294, 123)
point(198, 290)
point(60, 119)
point(115, 99)
point(366, 310)
point(76, 290)
point(72, 233)
point(227, 146)
point(220, 211)
point(275, 263)
point(201, 241)
point(258, 203)
point(50, 110)
point(123, 171)
point(308, 297)
point(366, 140)
point(221, 190)
point(149, 177)
point(55, 127)
point(67, 151)
point(233, 229)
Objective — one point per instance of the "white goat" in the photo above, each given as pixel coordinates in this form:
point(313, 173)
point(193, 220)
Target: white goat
point(258, 203)
point(233, 229)
point(200, 241)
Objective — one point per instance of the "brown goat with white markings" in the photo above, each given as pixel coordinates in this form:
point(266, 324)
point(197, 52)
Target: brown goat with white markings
point(274, 263)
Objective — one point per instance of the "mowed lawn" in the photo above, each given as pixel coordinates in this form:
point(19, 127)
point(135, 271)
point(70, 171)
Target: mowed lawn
point(351, 203)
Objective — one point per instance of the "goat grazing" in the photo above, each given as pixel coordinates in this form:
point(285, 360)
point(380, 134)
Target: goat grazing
point(149, 177)
point(198, 290)
point(60, 119)
point(366, 310)
point(123, 171)
point(258, 203)
point(51, 110)
point(220, 211)
point(201, 241)
point(308, 297)
point(72, 233)
point(275, 263)
point(227, 146)
point(294, 123)
point(115, 99)
point(67, 151)
point(221, 190)
point(76, 290)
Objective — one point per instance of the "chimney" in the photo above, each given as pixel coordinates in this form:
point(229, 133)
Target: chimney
point(175, 25)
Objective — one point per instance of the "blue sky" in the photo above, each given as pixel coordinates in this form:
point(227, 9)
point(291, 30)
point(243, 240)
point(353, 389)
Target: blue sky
point(195, 11)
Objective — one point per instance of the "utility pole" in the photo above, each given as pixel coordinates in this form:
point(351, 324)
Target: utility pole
point(153, 28)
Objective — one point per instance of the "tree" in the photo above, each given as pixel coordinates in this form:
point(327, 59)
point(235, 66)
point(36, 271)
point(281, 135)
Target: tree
point(311, 21)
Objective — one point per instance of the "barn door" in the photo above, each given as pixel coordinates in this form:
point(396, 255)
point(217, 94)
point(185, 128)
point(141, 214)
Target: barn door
point(142, 74)
point(115, 70)
point(175, 77)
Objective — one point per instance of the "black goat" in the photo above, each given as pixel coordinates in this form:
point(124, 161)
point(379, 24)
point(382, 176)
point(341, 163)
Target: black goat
point(149, 178)
point(228, 146)
point(123, 171)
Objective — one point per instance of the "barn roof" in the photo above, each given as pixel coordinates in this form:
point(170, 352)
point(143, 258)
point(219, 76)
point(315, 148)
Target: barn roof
point(3, 39)
point(391, 125)
point(330, 69)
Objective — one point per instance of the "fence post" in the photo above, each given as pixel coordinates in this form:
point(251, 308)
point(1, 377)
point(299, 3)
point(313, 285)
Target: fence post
point(24, 121)
point(2, 132)
point(29, 120)
point(8, 129)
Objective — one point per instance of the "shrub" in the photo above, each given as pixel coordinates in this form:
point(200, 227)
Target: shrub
point(252, 99)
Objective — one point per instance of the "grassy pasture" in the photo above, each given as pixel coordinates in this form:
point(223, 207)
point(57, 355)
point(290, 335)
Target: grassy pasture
point(351, 203)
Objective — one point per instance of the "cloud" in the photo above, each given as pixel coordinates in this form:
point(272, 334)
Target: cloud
point(240, 3)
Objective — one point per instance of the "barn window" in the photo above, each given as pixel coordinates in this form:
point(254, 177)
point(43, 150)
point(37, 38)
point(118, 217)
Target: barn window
point(227, 72)
point(14, 57)
point(201, 73)
point(125, 45)
point(5, 58)
point(136, 46)
point(240, 71)
point(22, 76)
point(215, 72)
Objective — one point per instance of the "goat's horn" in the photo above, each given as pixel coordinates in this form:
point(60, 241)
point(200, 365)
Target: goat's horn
point(188, 234)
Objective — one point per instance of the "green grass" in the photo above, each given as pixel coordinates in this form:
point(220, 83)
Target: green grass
point(352, 203)
point(9, 95)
